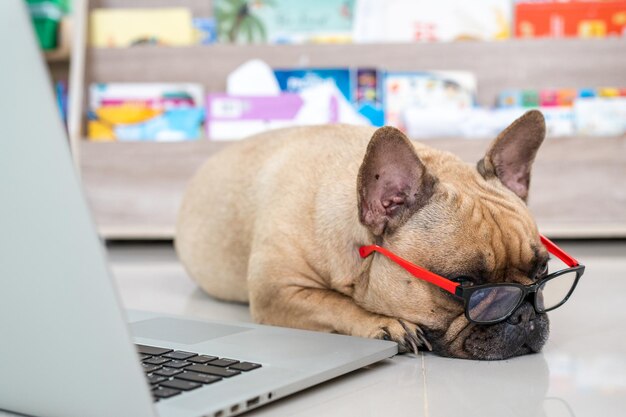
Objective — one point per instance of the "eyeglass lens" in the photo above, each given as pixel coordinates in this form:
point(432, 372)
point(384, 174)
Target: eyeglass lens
point(554, 291)
point(493, 303)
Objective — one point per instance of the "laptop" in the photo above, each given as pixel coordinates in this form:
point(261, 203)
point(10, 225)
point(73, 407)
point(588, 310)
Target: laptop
point(66, 346)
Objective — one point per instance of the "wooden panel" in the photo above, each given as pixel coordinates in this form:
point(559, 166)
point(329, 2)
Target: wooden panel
point(577, 189)
point(134, 188)
point(540, 63)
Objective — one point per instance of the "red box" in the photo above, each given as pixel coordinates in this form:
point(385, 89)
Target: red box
point(583, 19)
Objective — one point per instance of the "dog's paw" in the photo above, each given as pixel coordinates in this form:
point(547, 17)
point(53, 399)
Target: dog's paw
point(408, 336)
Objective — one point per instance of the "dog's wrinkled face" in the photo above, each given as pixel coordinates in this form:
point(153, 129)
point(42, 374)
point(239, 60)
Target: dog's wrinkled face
point(489, 241)
point(463, 222)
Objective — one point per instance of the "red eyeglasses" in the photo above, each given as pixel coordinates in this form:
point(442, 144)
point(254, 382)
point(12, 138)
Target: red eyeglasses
point(496, 302)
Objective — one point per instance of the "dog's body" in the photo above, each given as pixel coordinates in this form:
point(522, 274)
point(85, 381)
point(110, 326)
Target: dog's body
point(286, 174)
point(277, 220)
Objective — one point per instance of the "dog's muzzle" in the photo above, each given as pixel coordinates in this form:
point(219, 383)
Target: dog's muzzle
point(524, 332)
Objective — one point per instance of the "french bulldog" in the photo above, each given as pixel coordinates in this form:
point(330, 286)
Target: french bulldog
point(277, 221)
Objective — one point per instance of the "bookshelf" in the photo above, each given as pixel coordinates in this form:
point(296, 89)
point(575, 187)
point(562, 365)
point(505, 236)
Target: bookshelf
point(135, 188)
point(546, 63)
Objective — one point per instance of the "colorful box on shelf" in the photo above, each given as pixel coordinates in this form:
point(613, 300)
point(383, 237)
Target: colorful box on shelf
point(427, 20)
point(554, 97)
point(578, 18)
point(284, 21)
point(544, 98)
point(205, 30)
point(600, 116)
point(586, 111)
point(230, 117)
point(121, 28)
point(481, 122)
point(568, 112)
point(361, 87)
point(296, 80)
point(368, 97)
point(145, 112)
point(259, 98)
point(439, 91)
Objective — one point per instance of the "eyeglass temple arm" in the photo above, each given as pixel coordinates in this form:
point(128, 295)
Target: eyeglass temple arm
point(558, 252)
point(414, 270)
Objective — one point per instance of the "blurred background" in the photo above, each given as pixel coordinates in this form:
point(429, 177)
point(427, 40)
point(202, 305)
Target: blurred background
point(150, 88)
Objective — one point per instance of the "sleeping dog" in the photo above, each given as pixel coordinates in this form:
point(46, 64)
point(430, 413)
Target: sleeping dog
point(277, 220)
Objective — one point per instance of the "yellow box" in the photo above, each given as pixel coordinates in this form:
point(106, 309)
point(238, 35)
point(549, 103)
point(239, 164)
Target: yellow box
point(121, 28)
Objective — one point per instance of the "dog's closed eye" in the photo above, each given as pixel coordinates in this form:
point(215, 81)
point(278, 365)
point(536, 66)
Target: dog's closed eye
point(465, 280)
point(542, 271)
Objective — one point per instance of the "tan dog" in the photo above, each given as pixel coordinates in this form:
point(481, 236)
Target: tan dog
point(277, 220)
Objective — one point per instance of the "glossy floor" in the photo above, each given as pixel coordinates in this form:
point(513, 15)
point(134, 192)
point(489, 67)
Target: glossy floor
point(581, 371)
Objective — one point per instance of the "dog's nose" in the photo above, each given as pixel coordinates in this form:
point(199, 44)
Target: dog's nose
point(524, 332)
point(524, 314)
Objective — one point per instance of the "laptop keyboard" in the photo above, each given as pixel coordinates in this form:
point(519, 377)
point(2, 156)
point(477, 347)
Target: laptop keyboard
point(172, 372)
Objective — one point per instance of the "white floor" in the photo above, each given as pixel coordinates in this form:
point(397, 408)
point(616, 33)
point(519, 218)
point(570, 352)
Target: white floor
point(581, 372)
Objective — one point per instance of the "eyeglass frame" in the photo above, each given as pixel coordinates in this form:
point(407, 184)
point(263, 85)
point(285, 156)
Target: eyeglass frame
point(465, 292)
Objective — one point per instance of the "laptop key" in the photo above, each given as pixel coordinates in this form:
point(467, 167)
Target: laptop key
point(212, 370)
point(202, 359)
point(244, 366)
point(155, 379)
point(150, 368)
point(196, 377)
point(181, 384)
point(180, 355)
point(171, 372)
point(178, 364)
point(157, 360)
point(161, 392)
point(223, 363)
point(168, 372)
point(151, 350)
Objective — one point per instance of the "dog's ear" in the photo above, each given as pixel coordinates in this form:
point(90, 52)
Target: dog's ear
point(393, 182)
point(511, 155)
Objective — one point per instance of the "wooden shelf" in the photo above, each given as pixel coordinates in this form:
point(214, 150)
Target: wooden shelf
point(535, 63)
point(57, 55)
point(135, 188)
